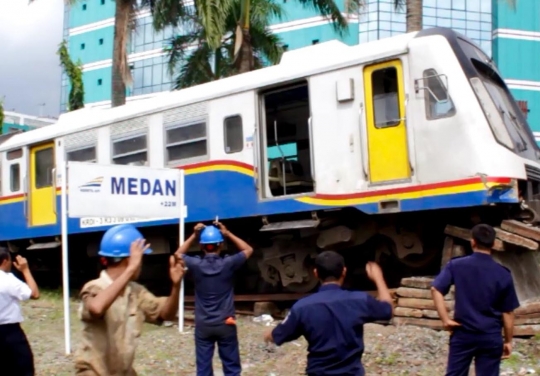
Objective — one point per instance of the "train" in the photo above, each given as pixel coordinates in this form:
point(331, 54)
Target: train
point(369, 150)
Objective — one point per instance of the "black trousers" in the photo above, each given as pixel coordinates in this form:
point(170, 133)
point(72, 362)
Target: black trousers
point(226, 338)
point(16, 358)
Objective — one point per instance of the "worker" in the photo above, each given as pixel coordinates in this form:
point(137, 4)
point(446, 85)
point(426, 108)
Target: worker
point(485, 299)
point(332, 319)
point(16, 356)
point(114, 306)
point(214, 297)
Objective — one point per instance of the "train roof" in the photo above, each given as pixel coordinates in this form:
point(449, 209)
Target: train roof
point(295, 64)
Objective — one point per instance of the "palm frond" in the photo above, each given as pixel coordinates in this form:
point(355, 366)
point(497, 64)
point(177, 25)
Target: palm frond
point(266, 44)
point(329, 9)
point(166, 12)
point(195, 69)
point(262, 12)
point(213, 15)
point(400, 5)
point(177, 49)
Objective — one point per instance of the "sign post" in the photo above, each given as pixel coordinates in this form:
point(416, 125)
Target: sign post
point(118, 191)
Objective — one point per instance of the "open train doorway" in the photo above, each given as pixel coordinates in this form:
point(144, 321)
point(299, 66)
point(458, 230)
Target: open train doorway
point(287, 148)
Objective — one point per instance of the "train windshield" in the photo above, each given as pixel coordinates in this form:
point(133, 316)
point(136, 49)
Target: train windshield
point(504, 103)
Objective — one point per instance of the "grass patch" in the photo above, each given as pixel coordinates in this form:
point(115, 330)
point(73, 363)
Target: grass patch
point(513, 361)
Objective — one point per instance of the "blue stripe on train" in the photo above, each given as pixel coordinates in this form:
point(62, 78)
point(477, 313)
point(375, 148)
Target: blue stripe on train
point(232, 195)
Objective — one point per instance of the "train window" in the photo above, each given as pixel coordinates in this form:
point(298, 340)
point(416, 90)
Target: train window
point(87, 154)
point(186, 142)
point(14, 154)
point(44, 165)
point(130, 150)
point(438, 102)
point(385, 97)
point(234, 136)
point(15, 177)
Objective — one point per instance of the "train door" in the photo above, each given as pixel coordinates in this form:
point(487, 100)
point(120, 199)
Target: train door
point(42, 190)
point(285, 141)
point(386, 132)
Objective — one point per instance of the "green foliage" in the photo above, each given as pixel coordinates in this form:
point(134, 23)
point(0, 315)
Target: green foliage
point(74, 73)
point(195, 67)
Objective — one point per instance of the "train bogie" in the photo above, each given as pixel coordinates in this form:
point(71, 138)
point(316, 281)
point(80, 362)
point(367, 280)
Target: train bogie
point(369, 150)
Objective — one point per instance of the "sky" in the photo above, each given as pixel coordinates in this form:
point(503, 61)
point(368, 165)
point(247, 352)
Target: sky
point(30, 73)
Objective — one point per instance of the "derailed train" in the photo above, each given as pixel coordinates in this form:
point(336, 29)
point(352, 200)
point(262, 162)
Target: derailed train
point(370, 150)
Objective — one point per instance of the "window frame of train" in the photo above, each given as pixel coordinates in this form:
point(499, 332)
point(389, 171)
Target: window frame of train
point(169, 144)
point(388, 151)
point(432, 95)
point(298, 166)
point(237, 140)
point(115, 157)
point(14, 159)
point(81, 150)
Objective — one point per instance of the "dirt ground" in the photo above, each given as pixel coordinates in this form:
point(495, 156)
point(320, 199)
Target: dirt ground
point(164, 351)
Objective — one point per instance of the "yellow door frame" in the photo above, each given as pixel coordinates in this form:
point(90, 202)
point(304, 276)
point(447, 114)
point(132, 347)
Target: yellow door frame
point(388, 154)
point(42, 199)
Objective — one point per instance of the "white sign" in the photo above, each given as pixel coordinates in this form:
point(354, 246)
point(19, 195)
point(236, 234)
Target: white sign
point(122, 191)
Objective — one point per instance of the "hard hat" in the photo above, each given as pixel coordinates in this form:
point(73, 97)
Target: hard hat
point(211, 235)
point(117, 240)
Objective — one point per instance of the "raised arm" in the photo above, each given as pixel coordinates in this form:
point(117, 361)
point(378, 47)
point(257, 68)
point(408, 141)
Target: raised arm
point(99, 304)
point(21, 265)
point(176, 272)
point(239, 243)
point(182, 250)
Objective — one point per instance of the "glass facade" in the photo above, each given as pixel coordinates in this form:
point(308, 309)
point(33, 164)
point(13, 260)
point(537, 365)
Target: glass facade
point(150, 76)
point(148, 62)
point(469, 17)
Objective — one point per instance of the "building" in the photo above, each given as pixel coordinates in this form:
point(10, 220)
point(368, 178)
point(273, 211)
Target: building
point(89, 27)
point(14, 121)
point(516, 48)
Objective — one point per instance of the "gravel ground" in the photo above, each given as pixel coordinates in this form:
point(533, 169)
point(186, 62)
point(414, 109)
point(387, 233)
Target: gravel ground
point(164, 351)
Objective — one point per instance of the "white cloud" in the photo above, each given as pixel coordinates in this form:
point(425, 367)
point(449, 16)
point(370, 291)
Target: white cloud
point(29, 67)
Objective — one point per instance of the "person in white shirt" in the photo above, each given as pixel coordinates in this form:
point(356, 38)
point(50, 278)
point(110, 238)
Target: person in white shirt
point(16, 356)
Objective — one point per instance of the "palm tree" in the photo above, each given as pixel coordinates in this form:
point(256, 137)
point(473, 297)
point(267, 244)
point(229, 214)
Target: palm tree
point(414, 15)
point(164, 12)
point(191, 55)
point(214, 19)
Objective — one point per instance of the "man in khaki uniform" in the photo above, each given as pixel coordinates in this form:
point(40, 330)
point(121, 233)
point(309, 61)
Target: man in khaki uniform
point(114, 307)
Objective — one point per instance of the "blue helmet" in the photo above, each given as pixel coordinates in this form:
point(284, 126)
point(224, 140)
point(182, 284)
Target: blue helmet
point(117, 241)
point(211, 235)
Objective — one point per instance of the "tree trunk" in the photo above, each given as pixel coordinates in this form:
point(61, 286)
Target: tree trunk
point(414, 15)
point(120, 69)
point(245, 60)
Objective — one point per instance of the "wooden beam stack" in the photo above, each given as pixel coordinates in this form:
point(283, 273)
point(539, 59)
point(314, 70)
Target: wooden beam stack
point(415, 306)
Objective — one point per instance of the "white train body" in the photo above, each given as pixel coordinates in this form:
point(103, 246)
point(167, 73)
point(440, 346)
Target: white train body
point(401, 125)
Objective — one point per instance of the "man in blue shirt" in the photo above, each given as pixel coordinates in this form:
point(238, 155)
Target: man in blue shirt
point(214, 297)
point(332, 320)
point(485, 299)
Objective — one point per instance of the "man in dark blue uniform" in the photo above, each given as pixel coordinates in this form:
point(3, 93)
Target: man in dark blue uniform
point(485, 299)
point(214, 297)
point(332, 320)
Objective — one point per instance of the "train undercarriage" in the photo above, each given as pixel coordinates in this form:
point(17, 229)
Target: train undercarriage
point(404, 244)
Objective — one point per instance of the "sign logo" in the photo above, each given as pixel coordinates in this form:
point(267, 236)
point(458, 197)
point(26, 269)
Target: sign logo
point(92, 186)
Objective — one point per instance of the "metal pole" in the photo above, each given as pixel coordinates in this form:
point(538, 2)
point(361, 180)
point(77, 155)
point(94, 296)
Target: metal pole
point(65, 268)
point(181, 237)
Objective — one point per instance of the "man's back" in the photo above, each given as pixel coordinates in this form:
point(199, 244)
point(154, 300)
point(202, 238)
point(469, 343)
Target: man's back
point(214, 286)
point(483, 291)
point(332, 322)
